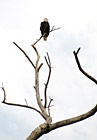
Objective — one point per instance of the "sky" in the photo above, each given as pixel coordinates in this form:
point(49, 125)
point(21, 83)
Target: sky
point(72, 92)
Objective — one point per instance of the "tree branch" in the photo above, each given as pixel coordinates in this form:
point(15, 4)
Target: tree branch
point(46, 85)
point(24, 54)
point(4, 93)
point(49, 105)
point(74, 119)
point(26, 106)
point(43, 110)
point(80, 68)
point(26, 102)
point(37, 41)
point(40, 66)
point(53, 29)
point(20, 105)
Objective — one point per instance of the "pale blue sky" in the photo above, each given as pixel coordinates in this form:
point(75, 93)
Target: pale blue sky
point(72, 92)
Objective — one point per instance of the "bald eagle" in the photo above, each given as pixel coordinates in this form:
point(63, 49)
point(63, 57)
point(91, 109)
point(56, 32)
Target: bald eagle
point(45, 28)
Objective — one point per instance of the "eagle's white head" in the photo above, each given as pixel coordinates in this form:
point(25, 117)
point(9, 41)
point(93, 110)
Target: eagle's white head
point(45, 19)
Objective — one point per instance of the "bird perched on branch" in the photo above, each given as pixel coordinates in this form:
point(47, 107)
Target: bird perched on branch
point(45, 28)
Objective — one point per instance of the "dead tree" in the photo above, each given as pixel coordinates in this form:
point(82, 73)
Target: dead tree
point(44, 111)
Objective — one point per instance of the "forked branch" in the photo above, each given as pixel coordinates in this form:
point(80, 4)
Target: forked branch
point(53, 29)
point(20, 105)
point(38, 98)
point(81, 69)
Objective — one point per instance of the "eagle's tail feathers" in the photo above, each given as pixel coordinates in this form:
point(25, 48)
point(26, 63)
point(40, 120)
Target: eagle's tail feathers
point(45, 38)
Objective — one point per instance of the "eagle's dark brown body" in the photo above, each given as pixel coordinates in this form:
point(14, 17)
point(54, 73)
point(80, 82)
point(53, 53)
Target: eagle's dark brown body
point(45, 29)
